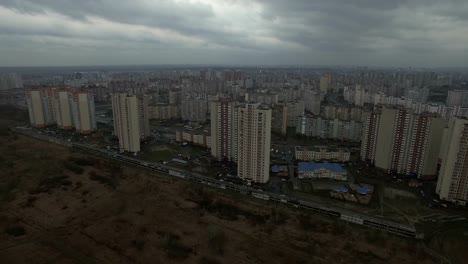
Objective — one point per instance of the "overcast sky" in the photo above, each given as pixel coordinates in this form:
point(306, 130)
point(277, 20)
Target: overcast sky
point(250, 32)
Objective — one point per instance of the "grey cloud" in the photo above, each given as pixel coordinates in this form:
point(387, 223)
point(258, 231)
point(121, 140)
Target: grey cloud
point(188, 19)
point(354, 26)
point(386, 32)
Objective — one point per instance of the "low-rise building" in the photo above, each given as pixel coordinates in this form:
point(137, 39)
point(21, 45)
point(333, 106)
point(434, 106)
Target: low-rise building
point(312, 170)
point(195, 137)
point(322, 153)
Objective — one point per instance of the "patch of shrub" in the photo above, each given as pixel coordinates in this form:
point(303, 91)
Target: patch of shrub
point(73, 168)
point(372, 236)
point(52, 183)
point(256, 219)
point(224, 210)
point(101, 179)
point(207, 260)
point(82, 161)
point(30, 201)
point(278, 216)
point(174, 248)
point(305, 222)
point(138, 244)
point(216, 239)
point(7, 188)
point(15, 230)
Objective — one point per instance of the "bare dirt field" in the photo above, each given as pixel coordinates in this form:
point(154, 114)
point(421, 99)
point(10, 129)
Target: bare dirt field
point(57, 206)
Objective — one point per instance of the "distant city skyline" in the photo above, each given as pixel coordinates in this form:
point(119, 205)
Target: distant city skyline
point(228, 32)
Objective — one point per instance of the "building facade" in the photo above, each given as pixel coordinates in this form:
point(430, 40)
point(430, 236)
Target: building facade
point(295, 110)
point(457, 98)
point(325, 80)
point(369, 136)
point(279, 121)
point(131, 124)
point(254, 141)
point(313, 126)
point(10, 81)
point(312, 101)
point(224, 129)
point(41, 107)
point(67, 108)
point(82, 105)
point(63, 109)
point(164, 111)
point(399, 141)
point(195, 107)
point(452, 184)
point(321, 153)
point(199, 138)
point(312, 170)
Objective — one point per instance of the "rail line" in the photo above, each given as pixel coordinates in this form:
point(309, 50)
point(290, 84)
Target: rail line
point(331, 211)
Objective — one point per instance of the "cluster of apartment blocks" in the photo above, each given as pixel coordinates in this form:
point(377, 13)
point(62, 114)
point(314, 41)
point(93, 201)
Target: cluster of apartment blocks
point(242, 134)
point(425, 145)
point(456, 106)
point(400, 141)
point(68, 108)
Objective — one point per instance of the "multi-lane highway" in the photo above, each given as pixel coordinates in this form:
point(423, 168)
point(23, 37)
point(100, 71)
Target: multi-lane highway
point(328, 210)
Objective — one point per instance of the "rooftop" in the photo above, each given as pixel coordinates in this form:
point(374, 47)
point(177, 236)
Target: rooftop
point(278, 168)
point(320, 148)
point(312, 166)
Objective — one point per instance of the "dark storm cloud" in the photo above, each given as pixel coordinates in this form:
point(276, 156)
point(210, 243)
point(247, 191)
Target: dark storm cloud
point(242, 31)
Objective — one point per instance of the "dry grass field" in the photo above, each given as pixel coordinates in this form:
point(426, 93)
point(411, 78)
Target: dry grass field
point(57, 206)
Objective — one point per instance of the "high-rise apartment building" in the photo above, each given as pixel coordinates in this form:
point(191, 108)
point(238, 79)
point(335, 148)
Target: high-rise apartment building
point(10, 81)
point(41, 107)
point(452, 184)
point(253, 144)
point(63, 109)
point(324, 82)
point(369, 136)
point(82, 105)
point(195, 107)
point(131, 123)
point(224, 129)
point(296, 109)
point(279, 119)
point(399, 141)
point(312, 101)
point(457, 98)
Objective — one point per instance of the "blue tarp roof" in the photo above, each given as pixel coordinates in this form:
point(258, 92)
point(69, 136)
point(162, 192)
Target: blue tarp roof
point(340, 189)
point(275, 168)
point(362, 190)
point(312, 166)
